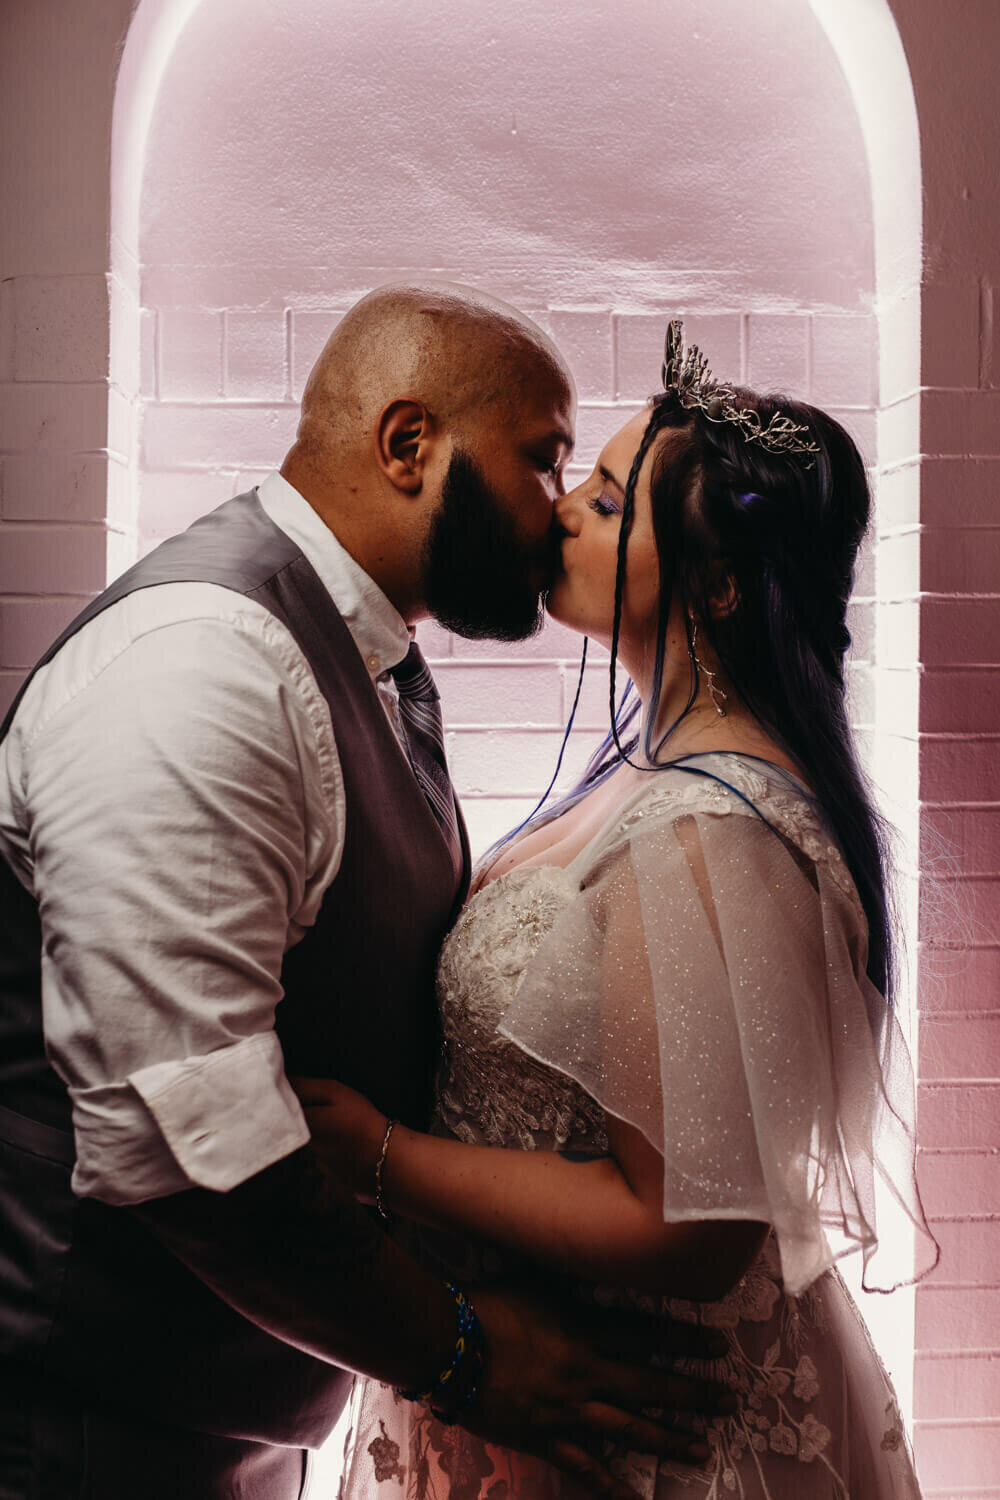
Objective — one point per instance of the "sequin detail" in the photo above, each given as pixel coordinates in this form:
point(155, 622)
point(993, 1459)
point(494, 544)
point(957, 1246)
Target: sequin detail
point(489, 1091)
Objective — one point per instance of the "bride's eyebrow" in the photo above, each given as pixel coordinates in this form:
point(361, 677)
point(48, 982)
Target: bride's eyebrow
point(606, 473)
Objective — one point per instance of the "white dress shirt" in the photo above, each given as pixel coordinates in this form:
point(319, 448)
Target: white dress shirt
point(170, 790)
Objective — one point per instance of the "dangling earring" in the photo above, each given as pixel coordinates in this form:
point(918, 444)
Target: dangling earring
point(718, 697)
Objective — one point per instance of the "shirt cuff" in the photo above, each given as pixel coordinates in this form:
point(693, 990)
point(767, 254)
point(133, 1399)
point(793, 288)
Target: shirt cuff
point(210, 1122)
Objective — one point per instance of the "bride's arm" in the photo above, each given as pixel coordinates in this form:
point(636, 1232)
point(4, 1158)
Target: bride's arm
point(601, 1220)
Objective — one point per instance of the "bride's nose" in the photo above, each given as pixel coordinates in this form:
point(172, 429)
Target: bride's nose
point(569, 511)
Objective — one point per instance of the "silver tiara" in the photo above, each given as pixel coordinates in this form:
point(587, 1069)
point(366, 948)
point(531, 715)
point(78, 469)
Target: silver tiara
point(686, 374)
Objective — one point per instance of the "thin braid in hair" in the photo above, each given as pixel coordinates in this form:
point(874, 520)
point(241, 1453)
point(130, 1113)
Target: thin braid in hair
point(628, 511)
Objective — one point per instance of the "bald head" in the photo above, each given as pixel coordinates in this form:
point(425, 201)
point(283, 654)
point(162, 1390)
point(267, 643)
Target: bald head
point(460, 353)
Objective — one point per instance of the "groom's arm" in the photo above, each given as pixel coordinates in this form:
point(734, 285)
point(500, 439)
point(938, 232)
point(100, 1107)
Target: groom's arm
point(289, 1252)
point(184, 819)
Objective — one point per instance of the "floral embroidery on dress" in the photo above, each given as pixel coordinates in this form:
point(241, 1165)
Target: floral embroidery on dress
point(385, 1457)
point(893, 1437)
point(772, 1389)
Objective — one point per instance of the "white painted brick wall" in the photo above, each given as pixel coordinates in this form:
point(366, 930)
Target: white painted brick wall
point(220, 408)
point(255, 356)
point(307, 334)
point(778, 351)
point(842, 360)
point(190, 354)
point(585, 338)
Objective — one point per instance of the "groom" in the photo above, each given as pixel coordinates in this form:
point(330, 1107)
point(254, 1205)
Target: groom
point(231, 851)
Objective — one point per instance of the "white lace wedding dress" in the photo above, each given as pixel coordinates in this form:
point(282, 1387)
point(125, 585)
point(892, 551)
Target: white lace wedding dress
point(698, 971)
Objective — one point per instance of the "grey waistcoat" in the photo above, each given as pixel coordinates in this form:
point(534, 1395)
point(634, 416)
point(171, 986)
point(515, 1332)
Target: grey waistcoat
point(85, 1291)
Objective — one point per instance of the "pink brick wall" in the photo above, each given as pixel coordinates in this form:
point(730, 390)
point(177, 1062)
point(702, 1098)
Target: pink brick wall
point(55, 464)
point(957, 1404)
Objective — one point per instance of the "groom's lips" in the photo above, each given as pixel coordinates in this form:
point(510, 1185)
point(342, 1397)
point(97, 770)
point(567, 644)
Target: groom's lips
point(550, 565)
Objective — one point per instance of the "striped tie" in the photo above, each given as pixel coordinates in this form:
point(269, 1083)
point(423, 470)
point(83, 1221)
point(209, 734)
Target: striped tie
point(419, 709)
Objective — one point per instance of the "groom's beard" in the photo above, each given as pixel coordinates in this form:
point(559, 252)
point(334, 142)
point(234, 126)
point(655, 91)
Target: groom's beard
point(481, 576)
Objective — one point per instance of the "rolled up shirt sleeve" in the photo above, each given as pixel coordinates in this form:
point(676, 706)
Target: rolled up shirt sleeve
point(185, 817)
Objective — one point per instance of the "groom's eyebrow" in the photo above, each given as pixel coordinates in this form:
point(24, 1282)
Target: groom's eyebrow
point(561, 438)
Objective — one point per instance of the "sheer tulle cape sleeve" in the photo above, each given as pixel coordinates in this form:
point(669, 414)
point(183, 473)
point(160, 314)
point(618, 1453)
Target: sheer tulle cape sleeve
point(708, 987)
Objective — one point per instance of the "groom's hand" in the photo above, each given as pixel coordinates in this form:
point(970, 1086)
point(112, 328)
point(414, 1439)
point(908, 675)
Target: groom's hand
point(564, 1384)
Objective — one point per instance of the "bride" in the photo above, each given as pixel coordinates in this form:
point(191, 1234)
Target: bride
point(671, 1072)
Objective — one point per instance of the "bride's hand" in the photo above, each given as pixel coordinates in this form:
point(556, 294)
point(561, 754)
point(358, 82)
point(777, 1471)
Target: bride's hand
point(347, 1131)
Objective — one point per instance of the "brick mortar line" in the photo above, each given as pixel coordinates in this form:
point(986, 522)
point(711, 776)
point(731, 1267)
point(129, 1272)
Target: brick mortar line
point(26, 527)
point(928, 527)
point(959, 1083)
point(965, 1494)
point(194, 402)
point(979, 1352)
point(930, 596)
point(945, 736)
point(984, 1151)
point(561, 663)
point(966, 457)
point(103, 452)
point(45, 452)
point(6, 598)
point(915, 460)
point(932, 1016)
point(960, 1015)
point(930, 1423)
point(965, 1219)
point(964, 947)
point(103, 382)
point(506, 728)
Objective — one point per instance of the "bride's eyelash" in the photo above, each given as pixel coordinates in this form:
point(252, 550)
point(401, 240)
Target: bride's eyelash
point(604, 505)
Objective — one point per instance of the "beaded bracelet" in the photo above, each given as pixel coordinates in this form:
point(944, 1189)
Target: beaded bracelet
point(463, 1377)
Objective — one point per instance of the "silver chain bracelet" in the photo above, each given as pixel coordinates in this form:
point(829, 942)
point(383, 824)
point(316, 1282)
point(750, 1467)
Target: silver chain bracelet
point(383, 1212)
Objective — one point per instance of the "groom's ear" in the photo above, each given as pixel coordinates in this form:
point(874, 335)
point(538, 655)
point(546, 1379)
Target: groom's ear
point(403, 437)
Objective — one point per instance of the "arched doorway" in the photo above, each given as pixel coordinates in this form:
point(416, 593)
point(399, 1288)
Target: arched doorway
point(759, 177)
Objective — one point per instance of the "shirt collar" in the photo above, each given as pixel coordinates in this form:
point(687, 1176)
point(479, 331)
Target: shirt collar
point(378, 630)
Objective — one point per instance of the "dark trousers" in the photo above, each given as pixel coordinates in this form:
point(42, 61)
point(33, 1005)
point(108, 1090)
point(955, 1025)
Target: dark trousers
point(56, 1444)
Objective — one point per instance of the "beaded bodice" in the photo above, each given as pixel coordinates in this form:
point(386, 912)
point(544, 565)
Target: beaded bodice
point(490, 1092)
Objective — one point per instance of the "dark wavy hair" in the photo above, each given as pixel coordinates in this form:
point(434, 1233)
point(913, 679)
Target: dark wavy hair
point(781, 532)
